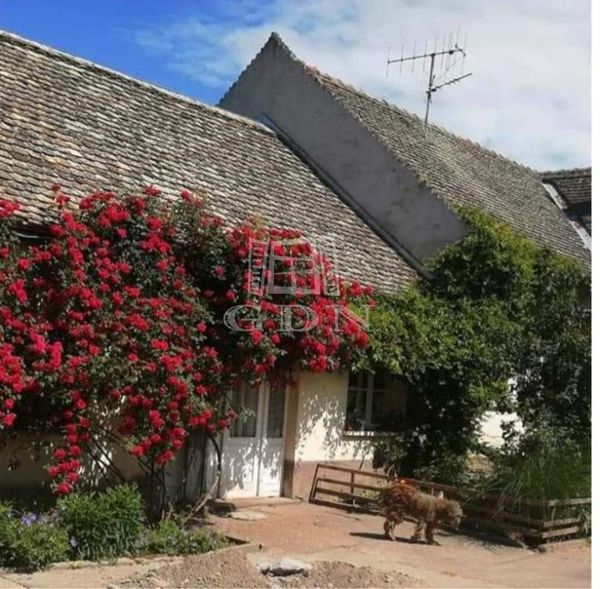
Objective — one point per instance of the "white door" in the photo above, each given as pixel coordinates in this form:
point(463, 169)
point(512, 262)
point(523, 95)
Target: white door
point(270, 470)
point(252, 462)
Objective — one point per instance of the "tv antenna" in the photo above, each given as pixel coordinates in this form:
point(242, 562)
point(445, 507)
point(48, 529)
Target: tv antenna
point(441, 62)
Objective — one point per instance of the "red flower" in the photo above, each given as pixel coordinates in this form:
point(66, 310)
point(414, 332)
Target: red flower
point(17, 288)
point(62, 199)
point(72, 477)
point(138, 451)
point(60, 454)
point(157, 344)
point(152, 191)
point(24, 264)
point(64, 488)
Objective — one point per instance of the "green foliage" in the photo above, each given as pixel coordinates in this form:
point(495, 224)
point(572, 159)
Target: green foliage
point(170, 536)
point(495, 308)
point(547, 473)
point(7, 522)
point(30, 542)
point(95, 526)
point(103, 525)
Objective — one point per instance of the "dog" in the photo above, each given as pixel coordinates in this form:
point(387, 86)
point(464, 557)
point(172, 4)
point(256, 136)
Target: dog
point(402, 500)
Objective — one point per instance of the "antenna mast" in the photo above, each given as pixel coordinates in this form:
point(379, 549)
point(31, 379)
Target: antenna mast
point(436, 58)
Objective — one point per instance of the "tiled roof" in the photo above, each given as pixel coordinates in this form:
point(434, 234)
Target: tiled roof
point(575, 188)
point(457, 170)
point(67, 121)
point(575, 185)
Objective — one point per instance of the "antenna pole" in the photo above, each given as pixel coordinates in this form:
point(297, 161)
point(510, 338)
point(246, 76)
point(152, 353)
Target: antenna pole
point(429, 90)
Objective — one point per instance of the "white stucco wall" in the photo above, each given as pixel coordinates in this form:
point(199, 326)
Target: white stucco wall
point(321, 416)
point(491, 427)
point(25, 458)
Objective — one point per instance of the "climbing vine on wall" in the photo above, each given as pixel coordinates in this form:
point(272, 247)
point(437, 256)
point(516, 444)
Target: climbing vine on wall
point(500, 323)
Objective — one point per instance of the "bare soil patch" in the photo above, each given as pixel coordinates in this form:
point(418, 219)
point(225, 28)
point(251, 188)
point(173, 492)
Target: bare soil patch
point(219, 569)
point(232, 569)
point(341, 574)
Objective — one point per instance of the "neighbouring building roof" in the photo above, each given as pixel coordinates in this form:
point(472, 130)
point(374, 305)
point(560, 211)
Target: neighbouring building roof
point(459, 171)
point(575, 189)
point(64, 120)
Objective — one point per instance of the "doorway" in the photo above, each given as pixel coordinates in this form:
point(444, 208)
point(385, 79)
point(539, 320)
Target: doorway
point(252, 462)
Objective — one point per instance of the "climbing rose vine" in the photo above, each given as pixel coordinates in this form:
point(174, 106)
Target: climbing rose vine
point(114, 326)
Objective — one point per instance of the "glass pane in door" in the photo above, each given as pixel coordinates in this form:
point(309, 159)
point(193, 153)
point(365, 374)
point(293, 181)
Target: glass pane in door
point(276, 413)
point(245, 400)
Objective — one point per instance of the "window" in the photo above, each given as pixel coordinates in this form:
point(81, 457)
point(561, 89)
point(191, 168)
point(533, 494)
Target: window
point(375, 402)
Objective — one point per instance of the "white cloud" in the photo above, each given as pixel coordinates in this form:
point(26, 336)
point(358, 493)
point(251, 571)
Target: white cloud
point(529, 97)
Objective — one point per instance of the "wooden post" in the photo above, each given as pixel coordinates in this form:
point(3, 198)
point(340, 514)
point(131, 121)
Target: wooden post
point(314, 484)
point(500, 508)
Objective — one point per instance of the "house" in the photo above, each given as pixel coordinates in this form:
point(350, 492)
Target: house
point(404, 180)
point(300, 150)
point(64, 120)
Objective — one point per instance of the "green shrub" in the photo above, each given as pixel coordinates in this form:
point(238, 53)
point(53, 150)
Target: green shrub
point(546, 473)
point(391, 453)
point(103, 525)
point(171, 537)
point(37, 545)
point(30, 542)
point(8, 522)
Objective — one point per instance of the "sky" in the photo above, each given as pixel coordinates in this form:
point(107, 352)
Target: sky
point(528, 97)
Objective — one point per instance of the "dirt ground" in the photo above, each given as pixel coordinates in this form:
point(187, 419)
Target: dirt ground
point(233, 569)
point(345, 549)
point(314, 533)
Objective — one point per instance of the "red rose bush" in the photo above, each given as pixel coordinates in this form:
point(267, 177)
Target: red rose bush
point(139, 316)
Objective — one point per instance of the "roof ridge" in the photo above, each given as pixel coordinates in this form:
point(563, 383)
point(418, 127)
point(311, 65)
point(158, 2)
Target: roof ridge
point(73, 59)
point(568, 171)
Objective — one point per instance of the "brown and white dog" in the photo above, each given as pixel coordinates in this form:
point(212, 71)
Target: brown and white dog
point(402, 500)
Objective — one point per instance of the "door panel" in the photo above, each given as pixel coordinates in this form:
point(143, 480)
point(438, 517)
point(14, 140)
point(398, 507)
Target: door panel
point(253, 449)
point(241, 446)
point(271, 458)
